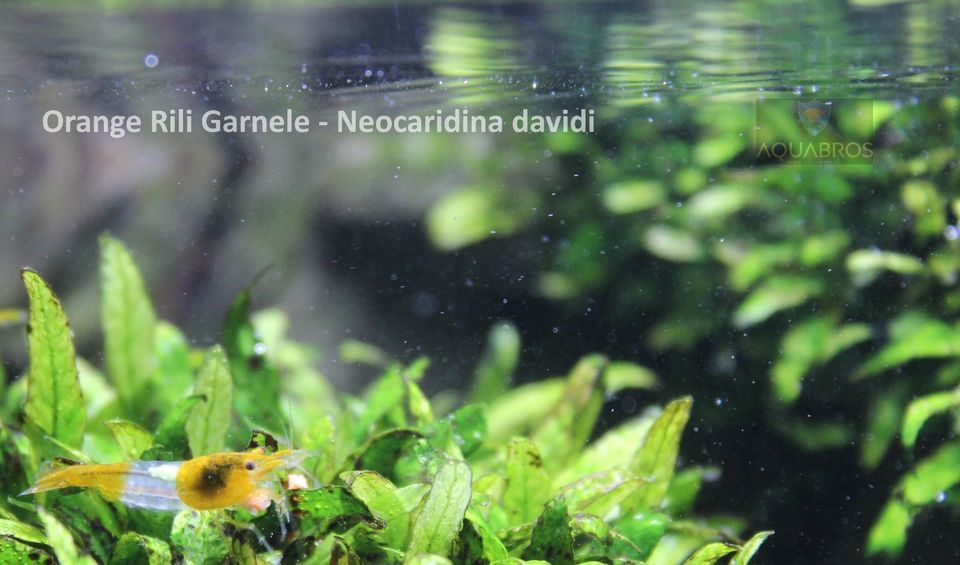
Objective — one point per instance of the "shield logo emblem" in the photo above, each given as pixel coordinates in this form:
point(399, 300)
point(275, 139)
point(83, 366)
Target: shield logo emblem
point(814, 116)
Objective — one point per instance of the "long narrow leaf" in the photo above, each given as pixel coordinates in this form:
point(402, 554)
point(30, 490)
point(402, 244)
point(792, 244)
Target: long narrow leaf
point(54, 405)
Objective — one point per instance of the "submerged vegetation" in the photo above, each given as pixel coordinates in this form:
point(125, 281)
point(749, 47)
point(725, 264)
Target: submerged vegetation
point(810, 310)
point(835, 285)
point(504, 476)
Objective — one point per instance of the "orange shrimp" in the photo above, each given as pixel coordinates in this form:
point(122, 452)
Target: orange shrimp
point(210, 482)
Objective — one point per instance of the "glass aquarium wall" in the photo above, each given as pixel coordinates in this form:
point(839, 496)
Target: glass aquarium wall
point(564, 282)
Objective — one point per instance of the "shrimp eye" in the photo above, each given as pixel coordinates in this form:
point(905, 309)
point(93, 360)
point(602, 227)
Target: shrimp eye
point(250, 466)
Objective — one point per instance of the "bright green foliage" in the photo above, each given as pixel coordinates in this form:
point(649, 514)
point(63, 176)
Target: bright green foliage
point(128, 326)
point(441, 516)
point(808, 344)
point(528, 484)
point(62, 542)
point(498, 363)
point(131, 438)
point(209, 421)
point(749, 549)
point(773, 295)
point(922, 409)
point(257, 390)
point(510, 478)
point(656, 460)
point(710, 554)
point(838, 283)
point(135, 548)
point(54, 406)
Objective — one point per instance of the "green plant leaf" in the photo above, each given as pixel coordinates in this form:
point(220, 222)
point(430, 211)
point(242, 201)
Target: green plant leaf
point(172, 431)
point(568, 425)
point(601, 492)
point(22, 531)
point(15, 551)
point(54, 405)
point(932, 476)
point(639, 534)
point(717, 202)
point(883, 421)
point(209, 419)
point(466, 429)
point(685, 487)
point(196, 537)
point(808, 344)
point(355, 351)
point(384, 395)
point(656, 460)
point(380, 496)
point(495, 370)
point(419, 405)
point(865, 265)
point(622, 375)
point(913, 336)
point(383, 451)
point(710, 554)
point(472, 214)
point(129, 323)
point(491, 548)
point(441, 516)
point(519, 410)
point(60, 539)
point(136, 548)
point(256, 381)
point(552, 539)
point(889, 533)
point(615, 448)
point(672, 244)
point(777, 293)
point(632, 196)
point(173, 364)
point(132, 439)
point(750, 548)
point(922, 409)
point(528, 484)
point(331, 507)
point(427, 559)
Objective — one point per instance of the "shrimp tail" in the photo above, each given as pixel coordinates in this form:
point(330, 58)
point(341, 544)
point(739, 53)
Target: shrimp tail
point(108, 479)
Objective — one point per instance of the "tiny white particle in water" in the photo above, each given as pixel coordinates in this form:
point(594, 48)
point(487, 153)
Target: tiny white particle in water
point(260, 348)
point(151, 60)
point(951, 232)
point(556, 330)
point(941, 496)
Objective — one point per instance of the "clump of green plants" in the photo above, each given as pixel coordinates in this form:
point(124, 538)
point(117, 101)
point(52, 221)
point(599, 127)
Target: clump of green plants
point(497, 476)
point(834, 284)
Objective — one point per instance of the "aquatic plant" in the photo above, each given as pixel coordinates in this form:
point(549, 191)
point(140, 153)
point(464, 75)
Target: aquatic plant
point(504, 476)
point(833, 284)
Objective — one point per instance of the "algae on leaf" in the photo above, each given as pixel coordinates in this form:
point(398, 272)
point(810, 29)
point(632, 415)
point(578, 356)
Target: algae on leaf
point(528, 484)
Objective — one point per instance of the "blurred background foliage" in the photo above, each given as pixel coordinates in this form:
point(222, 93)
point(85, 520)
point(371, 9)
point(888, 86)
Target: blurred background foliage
point(810, 310)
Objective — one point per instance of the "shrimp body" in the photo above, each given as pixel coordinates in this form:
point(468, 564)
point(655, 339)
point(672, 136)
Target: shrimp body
point(209, 482)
